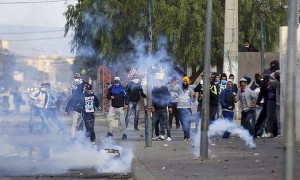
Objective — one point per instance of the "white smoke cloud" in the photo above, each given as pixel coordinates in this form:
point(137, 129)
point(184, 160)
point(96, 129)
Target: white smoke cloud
point(217, 128)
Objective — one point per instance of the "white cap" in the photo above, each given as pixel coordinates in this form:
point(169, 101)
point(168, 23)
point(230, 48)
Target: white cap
point(117, 79)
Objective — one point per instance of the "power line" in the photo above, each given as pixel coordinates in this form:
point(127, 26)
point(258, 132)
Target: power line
point(32, 32)
point(37, 39)
point(33, 2)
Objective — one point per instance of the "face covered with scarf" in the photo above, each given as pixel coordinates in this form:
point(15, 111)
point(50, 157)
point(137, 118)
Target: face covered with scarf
point(185, 82)
point(243, 86)
point(117, 83)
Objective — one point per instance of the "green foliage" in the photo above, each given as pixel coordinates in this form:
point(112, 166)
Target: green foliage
point(250, 21)
point(103, 28)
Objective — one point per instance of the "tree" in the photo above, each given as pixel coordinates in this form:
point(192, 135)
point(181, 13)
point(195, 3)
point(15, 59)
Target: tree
point(250, 21)
point(102, 29)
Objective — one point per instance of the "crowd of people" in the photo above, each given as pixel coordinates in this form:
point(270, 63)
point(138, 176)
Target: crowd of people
point(258, 102)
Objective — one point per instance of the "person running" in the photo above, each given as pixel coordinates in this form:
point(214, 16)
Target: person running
point(39, 103)
point(117, 94)
point(51, 108)
point(77, 89)
point(134, 91)
point(89, 102)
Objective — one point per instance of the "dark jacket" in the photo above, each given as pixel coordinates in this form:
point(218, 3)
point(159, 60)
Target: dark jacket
point(199, 89)
point(75, 103)
point(251, 48)
point(120, 96)
point(214, 94)
point(263, 93)
point(161, 98)
point(78, 88)
point(227, 100)
point(135, 91)
point(89, 102)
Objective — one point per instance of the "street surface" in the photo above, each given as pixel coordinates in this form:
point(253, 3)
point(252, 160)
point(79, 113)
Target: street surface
point(42, 155)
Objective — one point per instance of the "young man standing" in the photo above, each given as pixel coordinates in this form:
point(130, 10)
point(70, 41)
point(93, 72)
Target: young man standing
point(134, 91)
point(117, 95)
point(248, 98)
point(228, 99)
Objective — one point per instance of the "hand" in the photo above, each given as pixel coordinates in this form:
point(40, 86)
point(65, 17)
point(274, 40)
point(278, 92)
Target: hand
point(126, 106)
point(66, 114)
point(99, 108)
point(170, 110)
point(253, 105)
point(233, 94)
point(38, 100)
point(151, 109)
point(112, 97)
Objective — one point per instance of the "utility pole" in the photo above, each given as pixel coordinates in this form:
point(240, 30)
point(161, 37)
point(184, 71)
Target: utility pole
point(148, 120)
point(206, 83)
point(290, 84)
point(230, 62)
point(263, 42)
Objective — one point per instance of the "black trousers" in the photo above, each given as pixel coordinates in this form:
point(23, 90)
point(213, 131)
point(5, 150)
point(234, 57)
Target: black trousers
point(89, 122)
point(261, 119)
point(174, 114)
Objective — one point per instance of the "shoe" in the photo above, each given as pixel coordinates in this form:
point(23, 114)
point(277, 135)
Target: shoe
point(278, 137)
point(109, 134)
point(187, 139)
point(169, 139)
point(178, 128)
point(269, 135)
point(161, 137)
point(155, 138)
point(60, 132)
point(124, 136)
point(136, 129)
point(94, 143)
point(80, 132)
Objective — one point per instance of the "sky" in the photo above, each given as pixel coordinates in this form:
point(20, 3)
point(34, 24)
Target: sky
point(33, 14)
point(19, 16)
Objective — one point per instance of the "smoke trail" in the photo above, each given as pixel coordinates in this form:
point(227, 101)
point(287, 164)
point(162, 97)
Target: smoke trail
point(217, 128)
point(58, 157)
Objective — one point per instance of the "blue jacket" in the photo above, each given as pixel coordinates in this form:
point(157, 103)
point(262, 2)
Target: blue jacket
point(227, 99)
point(52, 99)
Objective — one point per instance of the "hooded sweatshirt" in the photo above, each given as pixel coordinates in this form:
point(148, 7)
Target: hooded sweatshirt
point(120, 96)
point(135, 91)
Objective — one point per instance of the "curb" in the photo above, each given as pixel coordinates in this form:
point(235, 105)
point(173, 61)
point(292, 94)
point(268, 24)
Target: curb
point(140, 171)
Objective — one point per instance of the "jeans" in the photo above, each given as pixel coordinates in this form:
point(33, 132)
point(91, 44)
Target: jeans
point(161, 116)
point(90, 124)
point(246, 120)
point(51, 113)
point(174, 114)
point(40, 112)
point(110, 116)
point(136, 106)
point(229, 116)
point(185, 115)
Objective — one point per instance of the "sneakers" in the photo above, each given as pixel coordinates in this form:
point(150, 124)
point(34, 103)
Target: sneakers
point(136, 129)
point(187, 139)
point(169, 139)
point(161, 137)
point(269, 135)
point(124, 136)
point(109, 134)
point(94, 143)
point(155, 138)
point(178, 128)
